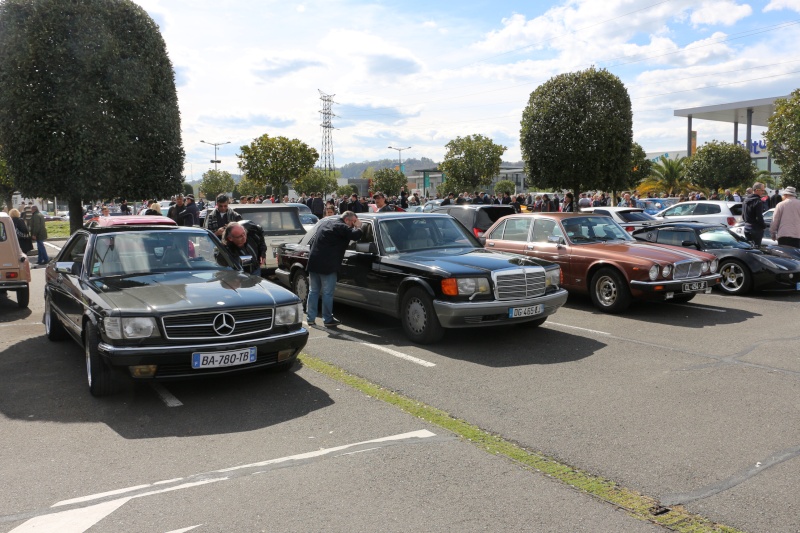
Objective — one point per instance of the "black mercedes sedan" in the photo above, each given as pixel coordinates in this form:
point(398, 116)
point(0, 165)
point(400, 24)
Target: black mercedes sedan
point(166, 302)
point(430, 272)
point(742, 266)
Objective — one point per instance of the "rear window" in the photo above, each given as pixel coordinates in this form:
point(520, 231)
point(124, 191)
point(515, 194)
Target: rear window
point(490, 215)
point(736, 210)
point(635, 216)
point(275, 221)
point(3, 235)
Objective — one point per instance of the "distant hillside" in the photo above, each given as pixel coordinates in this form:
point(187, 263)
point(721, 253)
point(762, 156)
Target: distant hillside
point(354, 170)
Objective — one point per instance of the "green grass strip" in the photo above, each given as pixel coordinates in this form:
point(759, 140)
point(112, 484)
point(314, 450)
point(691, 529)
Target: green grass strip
point(637, 505)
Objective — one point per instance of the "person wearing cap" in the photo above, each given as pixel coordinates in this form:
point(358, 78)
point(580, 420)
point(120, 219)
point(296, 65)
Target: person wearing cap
point(355, 205)
point(191, 215)
point(785, 227)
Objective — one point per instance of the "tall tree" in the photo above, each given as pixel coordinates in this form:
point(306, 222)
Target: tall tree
point(719, 164)
point(216, 182)
point(388, 181)
point(783, 138)
point(7, 186)
point(276, 161)
point(247, 187)
point(471, 162)
point(576, 132)
point(315, 180)
point(505, 186)
point(641, 166)
point(346, 190)
point(88, 106)
point(668, 175)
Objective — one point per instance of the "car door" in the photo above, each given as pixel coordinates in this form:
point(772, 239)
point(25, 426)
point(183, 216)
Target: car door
point(681, 211)
point(65, 288)
point(356, 281)
point(547, 242)
point(511, 235)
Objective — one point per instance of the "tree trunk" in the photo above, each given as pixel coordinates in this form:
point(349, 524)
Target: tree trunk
point(75, 214)
point(9, 200)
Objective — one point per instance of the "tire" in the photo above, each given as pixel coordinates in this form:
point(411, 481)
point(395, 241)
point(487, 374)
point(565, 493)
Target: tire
point(299, 285)
point(23, 297)
point(53, 327)
point(736, 277)
point(98, 373)
point(609, 291)
point(420, 323)
point(683, 298)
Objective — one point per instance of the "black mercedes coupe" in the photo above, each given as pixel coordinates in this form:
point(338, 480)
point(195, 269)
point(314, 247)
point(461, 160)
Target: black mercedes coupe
point(742, 266)
point(166, 302)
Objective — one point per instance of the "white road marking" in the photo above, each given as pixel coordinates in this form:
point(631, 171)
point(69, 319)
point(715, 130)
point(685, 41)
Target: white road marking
point(52, 245)
point(184, 529)
point(576, 327)
point(166, 395)
point(694, 306)
point(81, 519)
point(401, 355)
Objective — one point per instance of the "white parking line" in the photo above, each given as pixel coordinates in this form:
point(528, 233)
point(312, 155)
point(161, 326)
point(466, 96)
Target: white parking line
point(166, 396)
point(576, 327)
point(694, 306)
point(384, 349)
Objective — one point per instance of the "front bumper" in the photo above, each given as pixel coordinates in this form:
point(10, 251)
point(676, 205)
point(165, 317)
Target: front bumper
point(13, 285)
point(492, 313)
point(282, 276)
point(677, 286)
point(175, 361)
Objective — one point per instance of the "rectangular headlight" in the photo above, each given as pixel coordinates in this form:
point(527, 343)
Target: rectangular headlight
point(286, 315)
point(137, 327)
point(552, 277)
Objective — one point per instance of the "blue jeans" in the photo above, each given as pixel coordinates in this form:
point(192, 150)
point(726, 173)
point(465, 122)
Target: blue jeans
point(42, 259)
point(320, 284)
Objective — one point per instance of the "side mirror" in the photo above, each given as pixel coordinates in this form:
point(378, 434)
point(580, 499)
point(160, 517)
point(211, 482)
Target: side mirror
point(555, 239)
point(69, 267)
point(246, 260)
point(367, 248)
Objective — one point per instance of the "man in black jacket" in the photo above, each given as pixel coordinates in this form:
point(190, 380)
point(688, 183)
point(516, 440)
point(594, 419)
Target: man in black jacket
point(246, 238)
point(753, 215)
point(327, 251)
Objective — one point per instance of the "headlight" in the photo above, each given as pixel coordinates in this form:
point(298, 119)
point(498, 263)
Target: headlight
point(465, 286)
point(289, 314)
point(714, 265)
point(653, 272)
point(137, 327)
point(552, 277)
point(770, 264)
point(666, 271)
point(705, 267)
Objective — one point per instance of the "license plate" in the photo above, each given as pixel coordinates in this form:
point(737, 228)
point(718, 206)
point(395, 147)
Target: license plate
point(696, 286)
point(220, 359)
point(518, 312)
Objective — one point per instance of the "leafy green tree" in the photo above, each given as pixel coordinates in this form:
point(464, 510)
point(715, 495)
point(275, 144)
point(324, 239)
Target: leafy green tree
point(216, 182)
point(88, 106)
point(346, 190)
point(388, 181)
point(315, 180)
point(7, 186)
point(641, 166)
point(783, 138)
point(576, 132)
point(668, 175)
point(187, 188)
point(246, 187)
point(505, 186)
point(720, 164)
point(276, 161)
point(472, 161)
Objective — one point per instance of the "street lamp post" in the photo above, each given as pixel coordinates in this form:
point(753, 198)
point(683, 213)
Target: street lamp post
point(399, 155)
point(216, 145)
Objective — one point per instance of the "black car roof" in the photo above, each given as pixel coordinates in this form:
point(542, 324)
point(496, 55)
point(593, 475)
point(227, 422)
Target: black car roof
point(258, 207)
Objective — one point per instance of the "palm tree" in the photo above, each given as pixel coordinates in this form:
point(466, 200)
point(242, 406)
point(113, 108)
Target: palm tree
point(667, 175)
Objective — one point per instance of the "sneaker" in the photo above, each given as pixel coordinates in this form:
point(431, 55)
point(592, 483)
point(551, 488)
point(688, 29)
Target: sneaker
point(332, 323)
point(312, 322)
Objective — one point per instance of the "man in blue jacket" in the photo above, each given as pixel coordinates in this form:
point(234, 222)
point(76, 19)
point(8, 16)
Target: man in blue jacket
point(327, 251)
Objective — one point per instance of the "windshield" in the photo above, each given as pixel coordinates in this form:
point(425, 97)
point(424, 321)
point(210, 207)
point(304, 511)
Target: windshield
point(718, 238)
point(581, 230)
point(411, 234)
point(635, 216)
point(143, 252)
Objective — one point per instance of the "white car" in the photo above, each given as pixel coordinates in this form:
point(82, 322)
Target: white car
point(630, 218)
point(706, 211)
point(738, 229)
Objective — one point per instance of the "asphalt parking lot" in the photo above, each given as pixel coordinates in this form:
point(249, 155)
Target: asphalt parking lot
point(693, 404)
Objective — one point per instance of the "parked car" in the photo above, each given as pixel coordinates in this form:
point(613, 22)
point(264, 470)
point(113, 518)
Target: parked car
point(431, 273)
point(598, 257)
point(630, 218)
point(393, 207)
point(280, 222)
point(414, 209)
point(738, 229)
point(742, 266)
point(130, 220)
point(651, 206)
point(166, 302)
point(430, 205)
point(15, 269)
point(708, 211)
point(477, 218)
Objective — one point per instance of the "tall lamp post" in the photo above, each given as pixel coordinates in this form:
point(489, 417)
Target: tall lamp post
point(216, 145)
point(399, 155)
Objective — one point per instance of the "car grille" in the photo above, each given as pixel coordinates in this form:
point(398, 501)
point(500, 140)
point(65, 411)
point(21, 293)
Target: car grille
point(202, 325)
point(688, 269)
point(516, 283)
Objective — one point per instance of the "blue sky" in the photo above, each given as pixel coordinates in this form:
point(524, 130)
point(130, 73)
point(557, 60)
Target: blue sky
point(419, 73)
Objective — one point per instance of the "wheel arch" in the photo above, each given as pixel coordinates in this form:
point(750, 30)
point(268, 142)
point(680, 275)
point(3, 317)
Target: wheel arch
point(407, 284)
point(602, 264)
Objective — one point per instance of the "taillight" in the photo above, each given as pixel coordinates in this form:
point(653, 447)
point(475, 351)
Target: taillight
point(629, 229)
point(11, 275)
point(731, 221)
point(478, 233)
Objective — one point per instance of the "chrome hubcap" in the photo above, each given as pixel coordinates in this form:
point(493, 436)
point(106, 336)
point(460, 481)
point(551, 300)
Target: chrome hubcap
point(606, 291)
point(416, 316)
point(88, 364)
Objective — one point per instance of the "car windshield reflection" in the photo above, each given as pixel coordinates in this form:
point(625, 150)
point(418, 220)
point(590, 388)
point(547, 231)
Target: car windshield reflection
point(133, 253)
point(720, 238)
point(415, 234)
point(582, 230)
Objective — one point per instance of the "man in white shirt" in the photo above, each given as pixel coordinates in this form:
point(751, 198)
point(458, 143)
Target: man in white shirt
point(785, 226)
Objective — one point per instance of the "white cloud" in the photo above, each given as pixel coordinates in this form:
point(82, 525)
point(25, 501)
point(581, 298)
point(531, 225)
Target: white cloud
point(300, 8)
point(776, 5)
point(725, 12)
